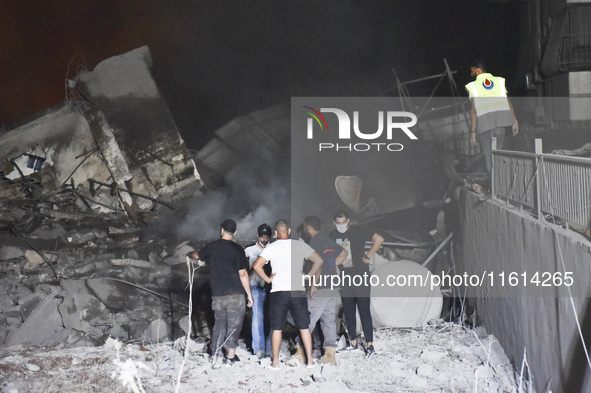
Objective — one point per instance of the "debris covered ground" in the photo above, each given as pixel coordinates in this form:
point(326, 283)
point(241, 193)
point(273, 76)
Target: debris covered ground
point(438, 358)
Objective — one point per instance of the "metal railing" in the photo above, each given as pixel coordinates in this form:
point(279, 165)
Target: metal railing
point(575, 51)
point(546, 183)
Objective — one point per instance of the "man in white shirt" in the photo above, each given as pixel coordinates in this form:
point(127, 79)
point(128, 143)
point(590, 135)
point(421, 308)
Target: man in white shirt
point(287, 287)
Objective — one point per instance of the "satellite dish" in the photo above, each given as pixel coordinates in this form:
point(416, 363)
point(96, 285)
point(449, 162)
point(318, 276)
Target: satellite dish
point(349, 190)
point(408, 304)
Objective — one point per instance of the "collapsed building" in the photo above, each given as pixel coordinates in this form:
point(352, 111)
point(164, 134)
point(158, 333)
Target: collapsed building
point(77, 184)
point(113, 144)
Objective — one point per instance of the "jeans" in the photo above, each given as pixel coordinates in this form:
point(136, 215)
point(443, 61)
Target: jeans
point(485, 140)
point(229, 314)
point(258, 316)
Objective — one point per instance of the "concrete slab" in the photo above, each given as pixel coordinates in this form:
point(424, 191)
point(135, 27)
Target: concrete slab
point(42, 327)
point(10, 252)
point(113, 294)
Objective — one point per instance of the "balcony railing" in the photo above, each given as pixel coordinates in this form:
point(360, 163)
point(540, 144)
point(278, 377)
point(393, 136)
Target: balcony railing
point(546, 183)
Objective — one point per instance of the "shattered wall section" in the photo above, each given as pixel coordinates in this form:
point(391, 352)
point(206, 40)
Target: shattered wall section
point(62, 139)
point(123, 136)
point(158, 159)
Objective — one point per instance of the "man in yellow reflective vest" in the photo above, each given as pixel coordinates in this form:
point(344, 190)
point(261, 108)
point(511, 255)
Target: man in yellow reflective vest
point(491, 110)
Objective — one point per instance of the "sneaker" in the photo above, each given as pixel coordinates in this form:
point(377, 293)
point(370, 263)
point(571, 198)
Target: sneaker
point(229, 362)
point(270, 367)
point(316, 354)
point(350, 348)
point(369, 351)
point(313, 365)
point(260, 354)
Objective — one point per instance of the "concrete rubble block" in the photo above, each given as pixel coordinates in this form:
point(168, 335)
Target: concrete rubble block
point(10, 252)
point(11, 269)
point(80, 236)
point(99, 233)
point(61, 214)
point(158, 331)
point(433, 354)
point(179, 255)
point(123, 76)
point(15, 291)
point(83, 270)
point(78, 338)
point(427, 371)
point(136, 275)
point(122, 231)
point(192, 346)
point(51, 231)
point(42, 327)
point(12, 311)
point(105, 202)
point(3, 333)
point(44, 277)
point(115, 295)
point(153, 258)
point(14, 321)
point(34, 259)
point(81, 310)
point(120, 330)
point(127, 241)
point(28, 303)
point(141, 185)
point(160, 271)
point(130, 262)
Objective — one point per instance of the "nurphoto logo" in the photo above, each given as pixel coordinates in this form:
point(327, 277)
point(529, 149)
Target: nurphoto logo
point(394, 121)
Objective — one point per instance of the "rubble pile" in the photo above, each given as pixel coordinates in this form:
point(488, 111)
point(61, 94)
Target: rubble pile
point(74, 278)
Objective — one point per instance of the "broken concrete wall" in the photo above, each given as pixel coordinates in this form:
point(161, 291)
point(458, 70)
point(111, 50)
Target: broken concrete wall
point(123, 134)
point(498, 238)
point(142, 125)
point(65, 143)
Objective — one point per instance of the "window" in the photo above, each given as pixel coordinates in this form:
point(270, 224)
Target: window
point(35, 162)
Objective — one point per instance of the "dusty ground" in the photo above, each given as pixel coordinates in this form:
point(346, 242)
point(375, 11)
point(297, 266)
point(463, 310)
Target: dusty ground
point(441, 358)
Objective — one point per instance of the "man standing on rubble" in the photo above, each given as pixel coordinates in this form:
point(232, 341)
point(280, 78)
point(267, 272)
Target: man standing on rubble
point(322, 304)
point(491, 110)
point(259, 292)
point(356, 297)
point(287, 287)
point(229, 281)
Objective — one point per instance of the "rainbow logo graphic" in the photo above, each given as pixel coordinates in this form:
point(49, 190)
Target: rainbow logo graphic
point(317, 116)
point(488, 84)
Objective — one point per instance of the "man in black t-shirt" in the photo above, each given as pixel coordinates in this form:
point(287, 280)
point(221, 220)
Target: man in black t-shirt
point(356, 297)
point(229, 281)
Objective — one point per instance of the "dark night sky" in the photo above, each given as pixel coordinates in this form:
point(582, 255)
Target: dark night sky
point(215, 60)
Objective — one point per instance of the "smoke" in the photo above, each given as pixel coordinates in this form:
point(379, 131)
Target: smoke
point(256, 191)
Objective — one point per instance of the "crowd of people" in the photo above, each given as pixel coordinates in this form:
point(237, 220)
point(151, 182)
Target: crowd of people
point(241, 278)
point(293, 275)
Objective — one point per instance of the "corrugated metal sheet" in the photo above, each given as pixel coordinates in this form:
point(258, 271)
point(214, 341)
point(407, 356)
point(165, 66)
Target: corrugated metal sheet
point(266, 131)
